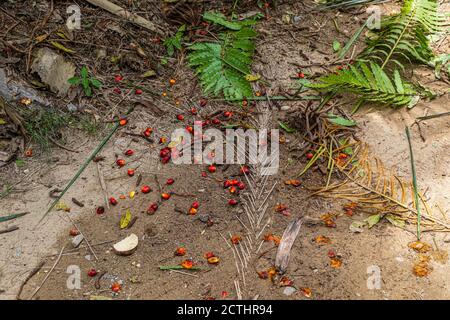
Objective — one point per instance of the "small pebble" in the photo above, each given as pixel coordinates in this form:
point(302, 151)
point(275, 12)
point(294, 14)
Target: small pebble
point(289, 291)
point(203, 218)
point(77, 240)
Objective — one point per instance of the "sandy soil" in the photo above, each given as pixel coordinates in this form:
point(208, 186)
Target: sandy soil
point(383, 246)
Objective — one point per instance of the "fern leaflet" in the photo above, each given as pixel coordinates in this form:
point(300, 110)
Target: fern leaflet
point(371, 83)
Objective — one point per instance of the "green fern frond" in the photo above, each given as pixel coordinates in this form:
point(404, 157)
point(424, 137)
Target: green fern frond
point(404, 36)
point(370, 83)
point(223, 65)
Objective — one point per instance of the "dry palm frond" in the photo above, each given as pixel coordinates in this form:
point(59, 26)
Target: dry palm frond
point(379, 191)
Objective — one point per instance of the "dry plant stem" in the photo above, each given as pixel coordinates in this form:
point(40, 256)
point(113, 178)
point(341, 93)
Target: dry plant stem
point(416, 193)
point(134, 18)
point(48, 274)
point(31, 275)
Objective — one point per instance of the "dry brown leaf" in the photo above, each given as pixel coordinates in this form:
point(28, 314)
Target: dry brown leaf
point(322, 240)
point(421, 269)
point(419, 246)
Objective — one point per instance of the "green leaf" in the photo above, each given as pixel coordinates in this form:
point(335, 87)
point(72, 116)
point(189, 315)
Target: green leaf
point(96, 83)
point(170, 49)
point(336, 46)
point(87, 90)
point(222, 66)
point(19, 163)
point(2, 121)
point(84, 72)
point(285, 127)
point(74, 81)
point(340, 120)
point(369, 84)
point(405, 36)
point(373, 220)
point(352, 40)
point(220, 19)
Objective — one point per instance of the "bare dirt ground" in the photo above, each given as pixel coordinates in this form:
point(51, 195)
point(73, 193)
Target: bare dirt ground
point(281, 48)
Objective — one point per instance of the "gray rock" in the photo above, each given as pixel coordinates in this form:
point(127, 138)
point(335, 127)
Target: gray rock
point(203, 218)
point(71, 107)
point(76, 241)
point(289, 291)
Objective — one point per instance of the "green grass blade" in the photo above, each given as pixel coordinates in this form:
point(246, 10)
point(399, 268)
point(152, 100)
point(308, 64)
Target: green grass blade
point(83, 167)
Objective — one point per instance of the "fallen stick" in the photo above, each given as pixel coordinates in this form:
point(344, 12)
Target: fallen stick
point(11, 229)
point(48, 274)
point(32, 273)
point(119, 11)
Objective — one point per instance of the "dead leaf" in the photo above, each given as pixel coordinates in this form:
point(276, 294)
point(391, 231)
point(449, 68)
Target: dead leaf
point(328, 219)
point(322, 240)
point(419, 246)
point(421, 269)
point(286, 282)
point(41, 38)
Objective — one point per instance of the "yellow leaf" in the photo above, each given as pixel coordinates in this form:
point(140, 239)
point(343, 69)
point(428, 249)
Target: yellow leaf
point(252, 77)
point(61, 35)
point(62, 206)
point(61, 47)
point(132, 194)
point(125, 219)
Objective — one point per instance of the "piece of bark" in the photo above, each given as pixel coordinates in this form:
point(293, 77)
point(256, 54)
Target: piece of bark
point(284, 249)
